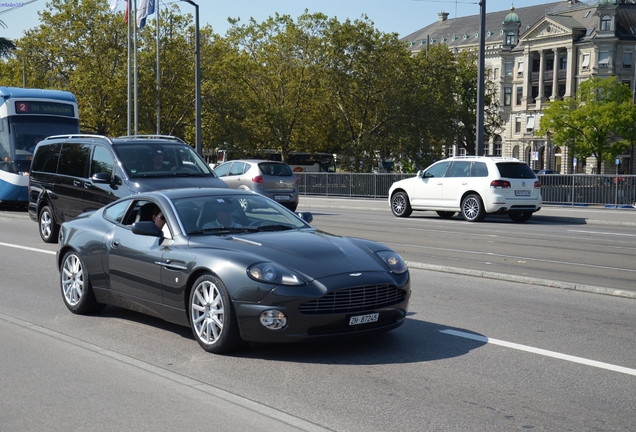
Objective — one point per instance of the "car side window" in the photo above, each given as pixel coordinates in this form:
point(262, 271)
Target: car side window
point(480, 169)
point(73, 159)
point(237, 168)
point(438, 169)
point(102, 161)
point(459, 169)
point(116, 212)
point(222, 169)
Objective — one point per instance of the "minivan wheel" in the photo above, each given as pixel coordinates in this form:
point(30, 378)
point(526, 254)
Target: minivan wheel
point(400, 205)
point(47, 226)
point(520, 217)
point(473, 208)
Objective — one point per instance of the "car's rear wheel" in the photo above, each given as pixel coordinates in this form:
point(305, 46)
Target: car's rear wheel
point(47, 226)
point(77, 290)
point(445, 214)
point(212, 318)
point(473, 208)
point(400, 205)
point(520, 217)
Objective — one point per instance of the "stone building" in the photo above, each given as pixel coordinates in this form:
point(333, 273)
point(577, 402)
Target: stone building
point(542, 53)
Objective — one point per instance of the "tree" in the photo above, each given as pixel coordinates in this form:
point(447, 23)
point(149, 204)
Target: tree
point(592, 124)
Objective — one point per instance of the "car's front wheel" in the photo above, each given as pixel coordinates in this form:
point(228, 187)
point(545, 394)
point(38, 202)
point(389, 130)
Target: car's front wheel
point(47, 226)
point(400, 205)
point(473, 208)
point(77, 290)
point(520, 217)
point(212, 318)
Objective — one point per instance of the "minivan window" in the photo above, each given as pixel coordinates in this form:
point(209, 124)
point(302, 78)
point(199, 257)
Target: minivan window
point(45, 159)
point(515, 170)
point(161, 160)
point(73, 159)
point(102, 161)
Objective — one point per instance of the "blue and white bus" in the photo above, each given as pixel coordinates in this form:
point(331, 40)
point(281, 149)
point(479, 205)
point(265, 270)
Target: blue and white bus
point(26, 117)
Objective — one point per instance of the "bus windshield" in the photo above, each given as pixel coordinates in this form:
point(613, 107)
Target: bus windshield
point(26, 132)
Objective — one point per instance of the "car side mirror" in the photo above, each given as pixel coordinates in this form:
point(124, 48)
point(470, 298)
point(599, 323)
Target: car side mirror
point(306, 216)
point(101, 177)
point(146, 228)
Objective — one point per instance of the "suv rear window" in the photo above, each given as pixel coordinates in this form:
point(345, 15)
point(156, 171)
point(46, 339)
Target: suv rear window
point(275, 169)
point(515, 170)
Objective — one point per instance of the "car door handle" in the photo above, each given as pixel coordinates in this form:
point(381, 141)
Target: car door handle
point(115, 243)
point(87, 185)
point(170, 265)
point(77, 183)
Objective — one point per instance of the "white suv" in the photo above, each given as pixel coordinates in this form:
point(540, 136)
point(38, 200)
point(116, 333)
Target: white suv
point(475, 186)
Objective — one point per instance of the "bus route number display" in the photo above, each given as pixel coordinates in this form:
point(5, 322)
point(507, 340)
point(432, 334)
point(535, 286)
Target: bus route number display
point(49, 108)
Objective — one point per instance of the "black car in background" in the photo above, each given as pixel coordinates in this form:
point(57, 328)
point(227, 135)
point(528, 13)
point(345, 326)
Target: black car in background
point(72, 174)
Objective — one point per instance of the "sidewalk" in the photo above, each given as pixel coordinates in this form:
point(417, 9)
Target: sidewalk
point(548, 213)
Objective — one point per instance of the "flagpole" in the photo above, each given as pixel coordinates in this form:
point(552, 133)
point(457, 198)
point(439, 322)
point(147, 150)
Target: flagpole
point(135, 71)
point(157, 7)
point(128, 6)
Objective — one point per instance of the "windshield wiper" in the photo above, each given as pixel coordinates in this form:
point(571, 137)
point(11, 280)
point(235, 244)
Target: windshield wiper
point(275, 228)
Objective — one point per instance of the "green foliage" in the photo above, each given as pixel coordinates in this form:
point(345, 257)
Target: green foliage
point(598, 122)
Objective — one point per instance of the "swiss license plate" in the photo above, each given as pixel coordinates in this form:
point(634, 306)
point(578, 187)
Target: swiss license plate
point(522, 192)
point(282, 197)
point(363, 319)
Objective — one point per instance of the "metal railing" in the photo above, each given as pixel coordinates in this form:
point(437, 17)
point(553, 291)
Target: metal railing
point(576, 189)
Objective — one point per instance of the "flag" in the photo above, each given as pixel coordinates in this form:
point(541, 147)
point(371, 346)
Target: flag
point(126, 13)
point(114, 4)
point(145, 8)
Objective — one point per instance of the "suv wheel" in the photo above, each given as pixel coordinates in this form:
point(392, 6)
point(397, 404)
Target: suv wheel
point(473, 208)
point(520, 217)
point(47, 226)
point(400, 205)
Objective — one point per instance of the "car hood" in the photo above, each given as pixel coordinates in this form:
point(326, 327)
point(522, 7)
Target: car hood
point(314, 254)
point(148, 184)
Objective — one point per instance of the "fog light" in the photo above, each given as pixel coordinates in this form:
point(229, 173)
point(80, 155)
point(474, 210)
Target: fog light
point(273, 319)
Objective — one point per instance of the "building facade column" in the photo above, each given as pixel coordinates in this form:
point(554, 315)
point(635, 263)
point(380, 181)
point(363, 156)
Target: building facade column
point(555, 75)
point(571, 73)
point(541, 72)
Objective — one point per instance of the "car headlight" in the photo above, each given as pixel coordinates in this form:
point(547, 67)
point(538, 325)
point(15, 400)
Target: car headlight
point(273, 273)
point(394, 261)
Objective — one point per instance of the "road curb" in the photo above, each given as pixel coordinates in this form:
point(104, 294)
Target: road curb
point(524, 279)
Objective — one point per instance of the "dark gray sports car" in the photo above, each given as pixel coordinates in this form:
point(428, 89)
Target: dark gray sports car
point(233, 265)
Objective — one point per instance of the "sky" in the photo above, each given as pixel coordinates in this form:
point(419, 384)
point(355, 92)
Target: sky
point(389, 16)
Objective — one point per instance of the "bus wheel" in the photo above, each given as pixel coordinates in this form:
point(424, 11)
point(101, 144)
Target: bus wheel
point(48, 227)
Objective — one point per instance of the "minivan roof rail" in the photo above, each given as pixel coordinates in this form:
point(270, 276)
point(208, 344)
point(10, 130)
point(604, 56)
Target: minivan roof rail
point(151, 136)
point(78, 136)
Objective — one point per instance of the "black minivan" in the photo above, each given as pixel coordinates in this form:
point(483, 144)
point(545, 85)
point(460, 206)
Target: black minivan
point(72, 174)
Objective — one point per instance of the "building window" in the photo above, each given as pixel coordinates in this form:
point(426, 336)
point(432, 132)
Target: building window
point(518, 124)
point(535, 93)
point(507, 96)
point(585, 65)
point(530, 123)
point(510, 38)
point(508, 70)
point(603, 59)
point(563, 63)
point(497, 145)
point(547, 91)
point(627, 60)
point(561, 90)
point(606, 22)
point(520, 68)
point(536, 65)
point(515, 152)
point(549, 64)
point(519, 94)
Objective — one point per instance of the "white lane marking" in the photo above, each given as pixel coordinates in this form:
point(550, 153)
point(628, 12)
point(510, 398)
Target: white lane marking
point(542, 352)
point(603, 233)
point(27, 248)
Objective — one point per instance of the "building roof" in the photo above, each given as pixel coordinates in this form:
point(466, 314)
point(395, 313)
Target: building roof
point(464, 31)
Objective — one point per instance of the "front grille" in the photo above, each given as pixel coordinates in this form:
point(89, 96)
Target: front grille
point(354, 300)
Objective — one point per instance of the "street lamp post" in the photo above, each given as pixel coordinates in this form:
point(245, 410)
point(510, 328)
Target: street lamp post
point(197, 72)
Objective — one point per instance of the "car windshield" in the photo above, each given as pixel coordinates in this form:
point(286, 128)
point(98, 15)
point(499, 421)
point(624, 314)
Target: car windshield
point(161, 160)
point(229, 214)
point(515, 170)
